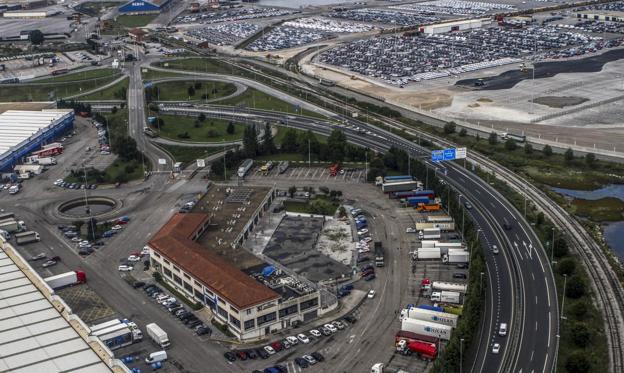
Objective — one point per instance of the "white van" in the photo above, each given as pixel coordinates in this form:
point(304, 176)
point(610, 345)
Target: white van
point(502, 331)
point(155, 357)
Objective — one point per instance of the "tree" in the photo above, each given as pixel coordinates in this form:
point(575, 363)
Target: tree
point(191, 91)
point(36, 37)
point(201, 117)
point(577, 362)
point(566, 266)
point(289, 141)
point(561, 248)
point(547, 151)
point(217, 167)
point(336, 145)
point(230, 128)
point(463, 132)
point(568, 155)
point(450, 128)
point(493, 139)
point(477, 138)
point(575, 287)
point(268, 146)
point(580, 334)
point(590, 158)
point(511, 145)
point(250, 141)
point(126, 148)
point(198, 85)
point(579, 309)
point(528, 148)
point(291, 191)
point(539, 220)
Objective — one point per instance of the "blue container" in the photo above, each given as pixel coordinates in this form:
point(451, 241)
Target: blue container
point(400, 177)
point(430, 308)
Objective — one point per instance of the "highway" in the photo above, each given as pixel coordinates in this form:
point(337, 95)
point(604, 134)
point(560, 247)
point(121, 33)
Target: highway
point(524, 295)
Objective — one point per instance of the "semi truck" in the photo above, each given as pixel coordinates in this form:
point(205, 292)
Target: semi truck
point(429, 234)
point(334, 169)
point(424, 350)
point(27, 237)
point(404, 335)
point(439, 219)
point(425, 253)
point(431, 308)
point(157, 335)
point(450, 226)
point(508, 136)
point(402, 186)
point(427, 328)
point(244, 167)
point(11, 225)
point(449, 286)
point(456, 256)
point(415, 201)
point(428, 243)
point(432, 316)
point(428, 207)
point(46, 161)
point(452, 297)
point(379, 254)
point(66, 279)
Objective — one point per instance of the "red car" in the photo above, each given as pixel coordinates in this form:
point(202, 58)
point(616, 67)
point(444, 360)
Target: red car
point(277, 346)
point(241, 355)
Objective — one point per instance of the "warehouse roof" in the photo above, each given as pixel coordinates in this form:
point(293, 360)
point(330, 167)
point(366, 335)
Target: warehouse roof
point(175, 241)
point(34, 335)
point(17, 125)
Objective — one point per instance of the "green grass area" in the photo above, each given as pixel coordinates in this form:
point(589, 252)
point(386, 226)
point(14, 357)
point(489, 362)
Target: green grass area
point(282, 157)
point(49, 91)
point(118, 171)
point(252, 98)
point(136, 21)
point(203, 90)
point(184, 128)
point(82, 75)
point(318, 205)
point(149, 74)
point(281, 132)
point(604, 209)
point(208, 65)
point(187, 154)
point(115, 92)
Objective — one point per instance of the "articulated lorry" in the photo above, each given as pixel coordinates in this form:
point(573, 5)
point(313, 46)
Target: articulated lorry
point(428, 253)
point(449, 286)
point(66, 279)
point(27, 237)
point(452, 297)
point(379, 254)
point(427, 328)
point(11, 225)
point(456, 256)
point(424, 350)
point(157, 335)
point(429, 234)
point(431, 316)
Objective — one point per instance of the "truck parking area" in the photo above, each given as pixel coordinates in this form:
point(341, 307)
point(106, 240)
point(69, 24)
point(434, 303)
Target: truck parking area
point(320, 174)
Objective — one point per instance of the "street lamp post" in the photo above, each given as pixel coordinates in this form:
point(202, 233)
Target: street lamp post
point(552, 248)
point(461, 355)
point(459, 196)
point(565, 278)
point(481, 282)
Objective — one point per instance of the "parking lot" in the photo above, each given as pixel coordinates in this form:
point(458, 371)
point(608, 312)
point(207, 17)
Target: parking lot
point(351, 175)
point(223, 34)
point(455, 7)
point(231, 15)
point(386, 17)
point(400, 60)
point(29, 66)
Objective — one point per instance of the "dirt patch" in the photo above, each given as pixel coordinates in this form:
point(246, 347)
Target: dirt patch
point(560, 102)
point(484, 99)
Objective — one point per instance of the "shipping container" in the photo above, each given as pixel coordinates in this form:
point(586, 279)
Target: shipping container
point(431, 308)
point(452, 297)
point(446, 227)
point(411, 336)
point(427, 328)
point(437, 317)
point(399, 187)
point(450, 286)
point(428, 253)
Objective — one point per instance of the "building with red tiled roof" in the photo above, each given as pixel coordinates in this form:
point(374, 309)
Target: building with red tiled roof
point(250, 308)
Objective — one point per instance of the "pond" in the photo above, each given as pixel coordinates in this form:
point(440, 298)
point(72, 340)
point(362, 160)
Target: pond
point(613, 232)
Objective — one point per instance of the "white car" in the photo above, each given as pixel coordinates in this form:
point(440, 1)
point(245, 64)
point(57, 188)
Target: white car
point(362, 231)
point(269, 350)
point(292, 340)
point(496, 348)
point(303, 338)
point(315, 333)
point(309, 359)
point(410, 230)
point(338, 325)
point(58, 182)
point(117, 227)
point(330, 327)
point(125, 268)
point(367, 239)
point(371, 294)
point(133, 258)
point(76, 239)
point(364, 250)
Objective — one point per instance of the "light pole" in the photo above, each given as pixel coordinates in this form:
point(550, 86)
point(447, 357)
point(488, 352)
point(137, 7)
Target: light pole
point(552, 249)
point(481, 282)
point(459, 196)
point(461, 355)
point(565, 278)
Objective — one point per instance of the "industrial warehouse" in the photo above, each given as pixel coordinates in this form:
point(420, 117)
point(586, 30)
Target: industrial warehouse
point(22, 132)
point(200, 255)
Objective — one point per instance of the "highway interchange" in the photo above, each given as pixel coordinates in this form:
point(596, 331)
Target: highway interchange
point(520, 289)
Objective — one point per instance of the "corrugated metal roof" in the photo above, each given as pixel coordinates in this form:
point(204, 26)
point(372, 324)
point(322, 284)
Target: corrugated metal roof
point(18, 125)
point(34, 336)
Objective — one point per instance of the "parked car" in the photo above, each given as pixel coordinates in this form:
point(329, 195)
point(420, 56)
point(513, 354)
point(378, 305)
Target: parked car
point(38, 257)
point(317, 356)
point(277, 346)
point(338, 325)
point(292, 340)
point(315, 333)
point(49, 263)
point(229, 356)
point(303, 363)
point(269, 350)
point(331, 328)
point(351, 319)
point(303, 338)
point(125, 268)
point(133, 258)
point(252, 354)
point(138, 284)
point(262, 353)
point(309, 359)
point(325, 331)
point(459, 275)
point(370, 277)
point(286, 344)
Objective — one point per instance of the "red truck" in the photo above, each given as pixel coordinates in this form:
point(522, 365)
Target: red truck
point(412, 337)
point(334, 169)
point(48, 152)
point(425, 350)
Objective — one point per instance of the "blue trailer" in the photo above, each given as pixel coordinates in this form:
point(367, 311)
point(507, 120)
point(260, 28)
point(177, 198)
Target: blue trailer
point(396, 178)
point(430, 308)
point(414, 201)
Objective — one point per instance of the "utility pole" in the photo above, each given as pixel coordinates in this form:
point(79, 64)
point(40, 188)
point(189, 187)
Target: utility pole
point(224, 167)
point(552, 249)
point(461, 356)
point(309, 152)
point(366, 165)
point(565, 278)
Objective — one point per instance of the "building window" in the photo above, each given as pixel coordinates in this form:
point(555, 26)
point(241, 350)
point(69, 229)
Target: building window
point(235, 322)
point(187, 276)
point(197, 283)
point(266, 318)
point(250, 324)
point(222, 312)
point(233, 309)
point(167, 272)
point(176, 269)
point(166, 262)
point(249, 311)
point(308, 304)
point(177, 279)
point(156, 254)
point(188, 287)
point(221, 301)
point(288, 311)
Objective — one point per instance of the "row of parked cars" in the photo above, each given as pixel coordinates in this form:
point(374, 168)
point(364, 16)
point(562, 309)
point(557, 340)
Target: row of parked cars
point(172, 305)
point(291, 341)
point(63, 184)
